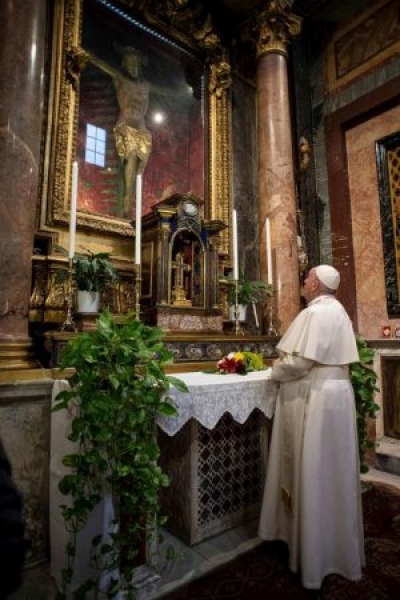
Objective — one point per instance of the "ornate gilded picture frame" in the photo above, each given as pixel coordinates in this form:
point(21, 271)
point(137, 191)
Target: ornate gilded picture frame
point(121, 89)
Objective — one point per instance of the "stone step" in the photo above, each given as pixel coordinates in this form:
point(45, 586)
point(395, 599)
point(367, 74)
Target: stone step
point(388, 456)
point(383, 479)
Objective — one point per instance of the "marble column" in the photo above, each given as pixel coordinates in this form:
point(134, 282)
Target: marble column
point(275, 161)
point(23, 38)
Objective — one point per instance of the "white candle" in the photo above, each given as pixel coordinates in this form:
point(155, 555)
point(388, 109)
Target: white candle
point(255, 314)
point(235, 246)
point(72, 210)
point(269, 250)
point(138, 224)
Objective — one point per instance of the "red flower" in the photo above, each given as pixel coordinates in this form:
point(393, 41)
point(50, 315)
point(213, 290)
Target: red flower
point(231, 365)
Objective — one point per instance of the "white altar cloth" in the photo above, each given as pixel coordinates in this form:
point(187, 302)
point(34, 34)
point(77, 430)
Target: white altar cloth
point(210, 396)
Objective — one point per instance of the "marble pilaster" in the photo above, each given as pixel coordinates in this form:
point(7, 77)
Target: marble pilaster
point(23, 34)
point(275, 160)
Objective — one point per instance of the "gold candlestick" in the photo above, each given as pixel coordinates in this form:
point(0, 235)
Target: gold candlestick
point(271, 329)
point(138, 291)
point(238, 329)
point(69, 324)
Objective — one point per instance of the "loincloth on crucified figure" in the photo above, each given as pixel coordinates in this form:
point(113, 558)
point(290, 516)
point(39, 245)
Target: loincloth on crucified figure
point(129, 140)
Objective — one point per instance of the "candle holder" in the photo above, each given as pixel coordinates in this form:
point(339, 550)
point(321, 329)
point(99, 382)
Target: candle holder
point(138, 291)
point(238, 329)
point(69, 323)
point(272, 330)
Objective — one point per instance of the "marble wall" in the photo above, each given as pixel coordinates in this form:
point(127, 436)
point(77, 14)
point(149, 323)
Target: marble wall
point(365, 215)
point(25, 432)
point(324, 104)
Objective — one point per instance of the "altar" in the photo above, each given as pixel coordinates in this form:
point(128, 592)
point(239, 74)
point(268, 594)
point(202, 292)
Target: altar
point(215, 452)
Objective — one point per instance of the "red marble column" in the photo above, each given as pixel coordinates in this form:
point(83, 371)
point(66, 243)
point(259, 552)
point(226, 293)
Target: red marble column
point(276, 166)
point(22, 30)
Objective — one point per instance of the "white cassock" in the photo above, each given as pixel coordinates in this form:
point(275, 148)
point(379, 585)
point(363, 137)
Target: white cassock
point(312, 496)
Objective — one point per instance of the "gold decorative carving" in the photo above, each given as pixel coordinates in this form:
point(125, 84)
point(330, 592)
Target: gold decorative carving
point(76, 60)
point(275, 26)
point(56, 295)
point(304, 148)
point(126, 295)
point(220, 140)
point(206, 37)
point(220, 78)
point(189, 23)
point(39, 290)
point(369, 39)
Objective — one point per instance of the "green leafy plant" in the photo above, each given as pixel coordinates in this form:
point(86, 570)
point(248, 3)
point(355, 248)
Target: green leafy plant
point(248, 291)
point(92, 271)
point(118, 386)
point(364, 379)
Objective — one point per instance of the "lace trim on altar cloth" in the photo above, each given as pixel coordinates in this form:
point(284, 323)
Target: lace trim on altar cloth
point(207, 402)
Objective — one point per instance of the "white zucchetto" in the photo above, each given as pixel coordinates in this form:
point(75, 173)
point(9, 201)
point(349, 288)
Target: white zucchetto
point(328, 276)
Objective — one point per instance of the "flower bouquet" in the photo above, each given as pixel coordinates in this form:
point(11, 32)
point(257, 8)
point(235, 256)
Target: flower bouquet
point(241, 363)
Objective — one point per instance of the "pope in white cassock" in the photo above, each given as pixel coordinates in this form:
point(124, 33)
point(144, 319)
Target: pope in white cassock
point(312, 496)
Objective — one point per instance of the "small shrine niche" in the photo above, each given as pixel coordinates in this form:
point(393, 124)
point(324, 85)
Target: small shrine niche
point(180, 266)
point(187, 264)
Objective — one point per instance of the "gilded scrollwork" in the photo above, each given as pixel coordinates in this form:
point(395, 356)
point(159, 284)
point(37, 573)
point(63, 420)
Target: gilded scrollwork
point(39, 290)
point(220, 148)
point(189, 23)
point(281, 5)
point(76, 61)
point(220, 78)
point(126, 295)
point(206, 37)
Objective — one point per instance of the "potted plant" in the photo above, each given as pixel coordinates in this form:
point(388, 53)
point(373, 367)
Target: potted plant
point(364, 379)
point(248, 292)
point(117, 389)
point(92, 273)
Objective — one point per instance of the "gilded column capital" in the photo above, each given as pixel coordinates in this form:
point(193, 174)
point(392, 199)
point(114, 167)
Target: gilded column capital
point(275, 26)
point(219, 78)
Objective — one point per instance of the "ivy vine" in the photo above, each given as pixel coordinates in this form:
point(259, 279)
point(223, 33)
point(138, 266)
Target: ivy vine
point(118, 386)
point(364, 381)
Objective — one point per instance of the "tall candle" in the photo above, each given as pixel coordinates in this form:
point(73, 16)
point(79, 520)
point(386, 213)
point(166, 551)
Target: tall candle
point(255, 315)
point(269, 250)
point(235, 246)
point(72, 210)
point(138, 239)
